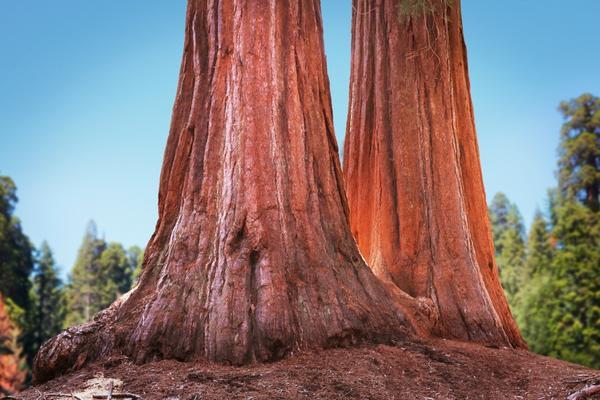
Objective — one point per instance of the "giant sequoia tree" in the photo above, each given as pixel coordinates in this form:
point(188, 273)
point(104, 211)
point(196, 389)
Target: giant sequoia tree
point(415, 190)
point(252, 257)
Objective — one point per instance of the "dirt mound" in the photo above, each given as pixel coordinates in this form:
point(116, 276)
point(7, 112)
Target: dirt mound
point(437, 369)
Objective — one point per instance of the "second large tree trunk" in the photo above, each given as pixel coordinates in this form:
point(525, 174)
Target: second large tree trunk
point(413, 176)
point(252, 258)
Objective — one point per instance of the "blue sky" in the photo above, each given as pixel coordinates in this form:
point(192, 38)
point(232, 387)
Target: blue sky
point(87, 88)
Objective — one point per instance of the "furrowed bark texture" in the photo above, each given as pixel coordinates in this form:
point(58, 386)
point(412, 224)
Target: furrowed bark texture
point(252, 257)
point(412, 169)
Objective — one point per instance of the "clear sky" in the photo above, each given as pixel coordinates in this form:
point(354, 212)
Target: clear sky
point(87, 88)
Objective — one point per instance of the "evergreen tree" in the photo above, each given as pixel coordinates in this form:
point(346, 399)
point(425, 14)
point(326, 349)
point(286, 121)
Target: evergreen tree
point(574, 295)
point(579, 163)
point(539, 246)
point(16, 260)
point(498, 211)
point(113, 275)
point(83, 300)
point(536, 301)
point(47, 309)
point(100, 275)
point(136, 258)
point(573, 298)
point(532, 309)
point(559, 307)
point(509, 241)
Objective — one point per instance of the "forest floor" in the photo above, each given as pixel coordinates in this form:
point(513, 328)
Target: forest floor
point(437, 369)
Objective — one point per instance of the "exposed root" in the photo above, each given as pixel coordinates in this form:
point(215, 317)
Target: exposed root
point(585, 393)
point(77, 346)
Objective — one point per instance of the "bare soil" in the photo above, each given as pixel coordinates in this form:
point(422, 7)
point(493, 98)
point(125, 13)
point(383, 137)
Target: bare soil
point(437, 369)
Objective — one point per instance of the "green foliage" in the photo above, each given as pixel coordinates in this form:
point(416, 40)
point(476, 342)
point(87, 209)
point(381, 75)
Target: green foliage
point(498, 211)
point(113, 275)
point(539, 246)
point(136, 259)
point(575, 287)
point(16, 264)
point(47, 313)
point(16, 261)
point(555, 296)
point(32, 292)
point(15, 312)
point(532, 309)
point(509, 233)
point(18, 316)
point(557, 299)
point(579, 162)
point(82, 299)
point(100, 275)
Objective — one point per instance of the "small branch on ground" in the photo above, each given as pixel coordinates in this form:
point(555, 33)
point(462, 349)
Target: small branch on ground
point(59, 395)
point(118, 396)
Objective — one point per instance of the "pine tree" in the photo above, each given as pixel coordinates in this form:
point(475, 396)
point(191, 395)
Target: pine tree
point(102, 272)
point(559, 306)
point(47, 302)
point(511, 258)
point(498, 211)
point(535, 304)
point(509, 242)
point(532, 311)
point(113, 276)
point(574, 295)
point(579, 163)
point(16, 260)
point(136, 258)
point(539, 246)
point(83, 301)
point(574, 298)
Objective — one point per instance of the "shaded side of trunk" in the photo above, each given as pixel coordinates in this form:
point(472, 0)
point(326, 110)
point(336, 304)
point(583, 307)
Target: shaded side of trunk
point(252, 258)
point(413, 176)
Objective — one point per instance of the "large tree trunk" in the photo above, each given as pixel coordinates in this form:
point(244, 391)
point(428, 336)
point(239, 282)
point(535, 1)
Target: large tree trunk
point(252, 258)
point(411, 162)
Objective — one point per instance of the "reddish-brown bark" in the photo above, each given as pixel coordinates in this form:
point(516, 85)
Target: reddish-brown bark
point(412, 169)
point(252, 257)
